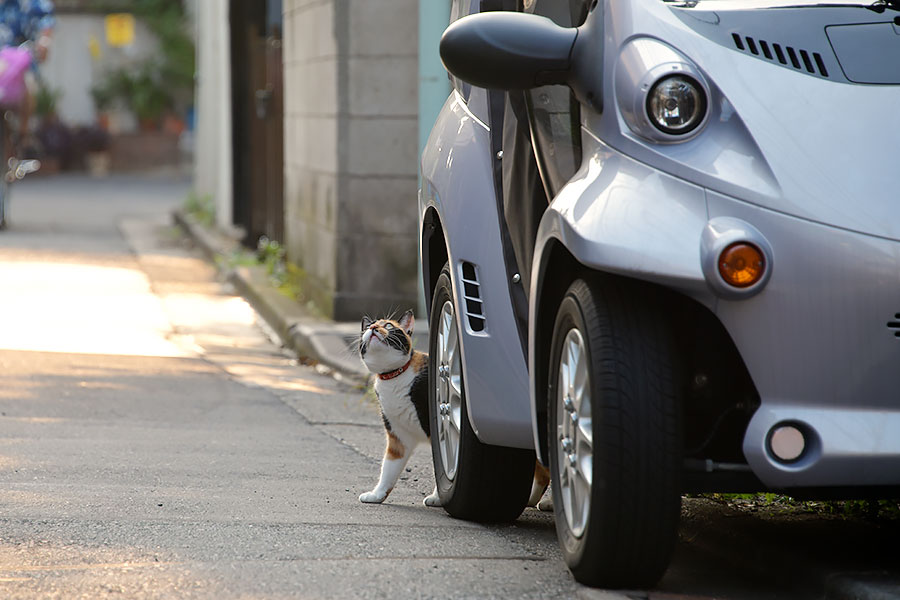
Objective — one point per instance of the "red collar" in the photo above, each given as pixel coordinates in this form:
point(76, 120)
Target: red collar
point(396, 372)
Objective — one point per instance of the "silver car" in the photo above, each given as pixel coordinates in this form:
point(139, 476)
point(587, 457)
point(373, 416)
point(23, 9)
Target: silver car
point(661, 249)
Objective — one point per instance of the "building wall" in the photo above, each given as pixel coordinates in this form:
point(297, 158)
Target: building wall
point(351, 111)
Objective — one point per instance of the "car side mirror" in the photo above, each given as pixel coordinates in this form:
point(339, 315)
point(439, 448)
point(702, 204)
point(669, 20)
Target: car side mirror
point(508, 50)
point(518, 51)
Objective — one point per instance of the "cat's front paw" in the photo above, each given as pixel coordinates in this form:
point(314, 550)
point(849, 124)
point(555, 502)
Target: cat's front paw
point(545, 505)
point(372, 497)
point(432, 500)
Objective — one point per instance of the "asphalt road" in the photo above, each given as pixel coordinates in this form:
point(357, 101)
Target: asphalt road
point(156, 443)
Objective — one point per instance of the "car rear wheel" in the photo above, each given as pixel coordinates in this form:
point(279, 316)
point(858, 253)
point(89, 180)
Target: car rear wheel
point(614, 435)
point(475, 481)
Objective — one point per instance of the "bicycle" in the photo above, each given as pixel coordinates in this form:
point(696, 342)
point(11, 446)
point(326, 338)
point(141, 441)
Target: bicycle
point(14, 62)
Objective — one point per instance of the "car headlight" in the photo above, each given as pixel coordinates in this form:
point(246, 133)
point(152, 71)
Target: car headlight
point(661, 94)
point(676, 104)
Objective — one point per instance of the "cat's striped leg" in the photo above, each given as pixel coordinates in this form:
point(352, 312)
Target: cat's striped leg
point(396, 455)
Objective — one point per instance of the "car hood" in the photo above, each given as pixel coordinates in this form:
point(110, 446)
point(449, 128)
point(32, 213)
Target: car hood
point(828, 144)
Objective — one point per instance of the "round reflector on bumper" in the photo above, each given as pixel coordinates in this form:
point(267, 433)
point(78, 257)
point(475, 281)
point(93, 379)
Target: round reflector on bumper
point(786, 442)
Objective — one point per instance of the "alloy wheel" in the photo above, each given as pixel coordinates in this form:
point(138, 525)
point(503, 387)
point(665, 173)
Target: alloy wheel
point(449, 390)
point(574, 434)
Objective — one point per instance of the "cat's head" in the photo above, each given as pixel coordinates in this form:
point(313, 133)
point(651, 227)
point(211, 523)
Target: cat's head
point(386, 344)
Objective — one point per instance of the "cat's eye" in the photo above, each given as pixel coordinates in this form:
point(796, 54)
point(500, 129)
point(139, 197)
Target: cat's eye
point(388, 326)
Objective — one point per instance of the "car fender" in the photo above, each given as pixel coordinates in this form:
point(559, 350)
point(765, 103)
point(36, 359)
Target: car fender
point(616, 215)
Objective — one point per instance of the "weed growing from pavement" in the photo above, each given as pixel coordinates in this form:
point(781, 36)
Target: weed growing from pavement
point(284, 276)
point(201, 208)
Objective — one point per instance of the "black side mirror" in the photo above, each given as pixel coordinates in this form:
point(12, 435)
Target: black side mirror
point(508, 50)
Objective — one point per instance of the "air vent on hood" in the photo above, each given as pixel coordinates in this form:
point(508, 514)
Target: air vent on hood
point(802, 60)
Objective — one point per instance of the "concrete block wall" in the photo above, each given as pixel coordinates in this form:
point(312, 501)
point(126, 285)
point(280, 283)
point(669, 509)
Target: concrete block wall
point(351, 109)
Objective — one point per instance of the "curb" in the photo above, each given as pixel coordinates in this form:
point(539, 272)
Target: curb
point(326, 342)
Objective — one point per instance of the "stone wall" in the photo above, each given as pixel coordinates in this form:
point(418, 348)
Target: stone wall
point(350, 151)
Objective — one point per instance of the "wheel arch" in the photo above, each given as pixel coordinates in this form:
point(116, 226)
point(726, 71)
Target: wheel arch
point(434, 253)
point(729, 388)
point(557, 270)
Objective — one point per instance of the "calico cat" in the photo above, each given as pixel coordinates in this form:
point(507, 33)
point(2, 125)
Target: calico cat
point(401, 385)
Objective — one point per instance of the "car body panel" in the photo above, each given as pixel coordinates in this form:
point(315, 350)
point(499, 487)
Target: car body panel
point(817, 344)
point(457, 183)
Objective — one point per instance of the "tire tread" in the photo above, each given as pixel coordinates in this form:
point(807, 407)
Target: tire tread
point(638, 439)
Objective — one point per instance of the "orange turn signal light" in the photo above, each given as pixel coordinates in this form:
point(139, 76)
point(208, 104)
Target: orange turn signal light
point(741, 264)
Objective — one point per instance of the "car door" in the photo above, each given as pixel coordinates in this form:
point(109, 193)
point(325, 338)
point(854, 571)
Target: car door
point(554, 113)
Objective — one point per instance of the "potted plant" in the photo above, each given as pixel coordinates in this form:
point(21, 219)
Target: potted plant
point(95, 143)
point(52, 140)
point(149, 98)
point(103, 97)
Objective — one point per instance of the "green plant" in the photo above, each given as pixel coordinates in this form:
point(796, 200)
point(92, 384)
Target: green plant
point(149, 96)
point(157, 85)
point(848, 509)
point(201, 208)
point(286, 277)
point(270, 254)
point(103, 97)
point(46, 100)
point(143, 90)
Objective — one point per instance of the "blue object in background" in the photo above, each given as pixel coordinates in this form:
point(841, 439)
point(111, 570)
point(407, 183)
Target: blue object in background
point(434, 85)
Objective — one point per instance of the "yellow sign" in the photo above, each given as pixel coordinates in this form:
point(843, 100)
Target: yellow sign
point(94, 47)
point(120, 29)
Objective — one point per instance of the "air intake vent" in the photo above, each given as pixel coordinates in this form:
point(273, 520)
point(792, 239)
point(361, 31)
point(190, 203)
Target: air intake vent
point(474, 308)
point(811, 62)
point(895, 325)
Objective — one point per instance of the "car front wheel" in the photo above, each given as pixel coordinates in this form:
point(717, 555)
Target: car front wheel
point(614, 435)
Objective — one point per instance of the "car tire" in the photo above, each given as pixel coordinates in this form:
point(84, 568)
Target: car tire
point(475, 481)
point(612, 393)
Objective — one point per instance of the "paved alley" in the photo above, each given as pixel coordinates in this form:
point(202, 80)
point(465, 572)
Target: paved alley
point(155, 443)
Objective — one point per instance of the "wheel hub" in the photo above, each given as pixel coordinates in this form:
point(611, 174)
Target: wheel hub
point(448, 385)
point(574, 432)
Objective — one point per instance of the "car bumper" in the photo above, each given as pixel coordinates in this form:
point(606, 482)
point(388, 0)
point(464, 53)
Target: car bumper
point(819, 345)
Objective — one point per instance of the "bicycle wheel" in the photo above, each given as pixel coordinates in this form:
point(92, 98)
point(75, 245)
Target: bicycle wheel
point(6, 154)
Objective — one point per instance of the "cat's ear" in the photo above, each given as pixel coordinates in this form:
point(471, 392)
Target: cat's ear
point(366, 321)
point(407, 321)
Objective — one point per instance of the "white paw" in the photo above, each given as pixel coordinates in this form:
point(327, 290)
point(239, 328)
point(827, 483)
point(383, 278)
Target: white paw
point(432, 500)
point(546, 504)
point(372, 497)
